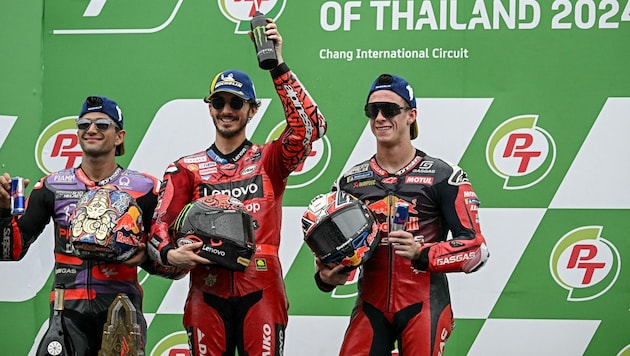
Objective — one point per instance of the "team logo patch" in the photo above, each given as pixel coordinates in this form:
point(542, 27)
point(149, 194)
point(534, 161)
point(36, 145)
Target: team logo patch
point(261, 264)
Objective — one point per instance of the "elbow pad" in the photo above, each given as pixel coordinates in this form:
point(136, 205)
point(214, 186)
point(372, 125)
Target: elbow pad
point(453, 256)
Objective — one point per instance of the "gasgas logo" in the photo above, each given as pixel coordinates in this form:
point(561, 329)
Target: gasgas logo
point(241, 11)
point(315, 164)
point(58, 147)
point(584, 263)
point(520, 152)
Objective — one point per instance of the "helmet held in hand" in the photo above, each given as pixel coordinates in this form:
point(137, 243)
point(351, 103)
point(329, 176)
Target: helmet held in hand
point(340, 229)
point(106, 225)
point(223, 225)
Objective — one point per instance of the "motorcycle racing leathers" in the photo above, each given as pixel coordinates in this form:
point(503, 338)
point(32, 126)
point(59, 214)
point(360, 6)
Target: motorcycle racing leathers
point(227, 310)
point(400, 299)
point(90, 286)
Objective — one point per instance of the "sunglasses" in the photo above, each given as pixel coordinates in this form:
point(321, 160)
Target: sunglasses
point(101, 124)
point(388, 110)
point(219, 102)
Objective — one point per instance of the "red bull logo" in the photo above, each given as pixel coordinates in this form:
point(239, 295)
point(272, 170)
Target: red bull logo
point(384, 209)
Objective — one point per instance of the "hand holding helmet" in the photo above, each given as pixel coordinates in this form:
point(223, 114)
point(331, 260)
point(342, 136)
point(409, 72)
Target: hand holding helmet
point(222, 226)
point(340, 229)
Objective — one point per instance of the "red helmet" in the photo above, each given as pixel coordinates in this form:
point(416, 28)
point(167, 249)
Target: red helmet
point(106, 225)
point(340, 229)
point(223, 225)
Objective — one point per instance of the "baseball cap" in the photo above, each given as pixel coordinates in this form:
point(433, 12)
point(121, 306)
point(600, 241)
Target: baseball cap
point(108, 107)
point(401, 87)
point(235, 82)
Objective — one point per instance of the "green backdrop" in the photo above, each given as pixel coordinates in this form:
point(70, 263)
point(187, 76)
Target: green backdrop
point(532, 98)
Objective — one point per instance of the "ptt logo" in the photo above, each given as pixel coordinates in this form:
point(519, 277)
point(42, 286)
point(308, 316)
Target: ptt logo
point(584, 263)
point(58, 147)
point(241, 11)
point(315, 164)
point(521, 152)
point(175, 344)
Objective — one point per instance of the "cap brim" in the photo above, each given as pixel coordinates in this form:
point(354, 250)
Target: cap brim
point(240, 94)
point(413, 130)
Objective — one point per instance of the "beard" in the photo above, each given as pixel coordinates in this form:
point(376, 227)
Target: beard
point(236, 129)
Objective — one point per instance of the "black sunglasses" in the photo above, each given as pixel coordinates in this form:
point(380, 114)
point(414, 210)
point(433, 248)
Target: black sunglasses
point(219, 102)
point(388, 110)
point(101, 124)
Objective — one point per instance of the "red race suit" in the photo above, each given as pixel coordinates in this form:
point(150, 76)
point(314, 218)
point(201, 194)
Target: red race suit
point(227, 310)
point(405, 301)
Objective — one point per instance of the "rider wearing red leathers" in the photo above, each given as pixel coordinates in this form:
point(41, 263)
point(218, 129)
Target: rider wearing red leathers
point(403, 289)
point(228, 310)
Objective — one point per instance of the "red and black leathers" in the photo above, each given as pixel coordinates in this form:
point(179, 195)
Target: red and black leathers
point(405, 301)
point(227, 310)
point(91, 286)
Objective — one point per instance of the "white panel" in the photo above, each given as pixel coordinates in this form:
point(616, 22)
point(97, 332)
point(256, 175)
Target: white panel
point(516, 337)
point(507, 232)
point(596, 179)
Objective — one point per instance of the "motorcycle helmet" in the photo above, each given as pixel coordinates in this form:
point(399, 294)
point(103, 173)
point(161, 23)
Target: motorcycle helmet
point(223, 225)
point(340, 229)
point(106, 225)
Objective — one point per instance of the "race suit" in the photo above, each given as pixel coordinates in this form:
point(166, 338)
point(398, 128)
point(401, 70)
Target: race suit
point(90, 286)
point(405, 301)
point(248, 310)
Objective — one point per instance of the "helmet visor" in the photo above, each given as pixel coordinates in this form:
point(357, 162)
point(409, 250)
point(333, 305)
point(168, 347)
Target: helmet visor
point(232, 225)
point(337, 232)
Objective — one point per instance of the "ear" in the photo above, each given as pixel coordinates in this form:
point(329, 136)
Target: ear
point(413, 115)
point(120, 137)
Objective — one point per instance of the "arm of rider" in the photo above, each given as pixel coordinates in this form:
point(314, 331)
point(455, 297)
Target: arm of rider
point(404, 244)
point(185, 256)
point(5, 190)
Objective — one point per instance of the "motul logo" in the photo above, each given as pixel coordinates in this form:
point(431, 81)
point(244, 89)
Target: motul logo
point(419, 180)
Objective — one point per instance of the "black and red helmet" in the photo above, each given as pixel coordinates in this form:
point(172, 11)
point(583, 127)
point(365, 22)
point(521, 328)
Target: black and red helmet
point(340, 229)
point(223, 225)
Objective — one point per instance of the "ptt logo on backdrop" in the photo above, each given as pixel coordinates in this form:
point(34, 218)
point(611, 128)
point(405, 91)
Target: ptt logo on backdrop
point(175, 344)
point(521, 152)
point(584, 263)
point(315, 164)
point(241, 11)
point(58, 147)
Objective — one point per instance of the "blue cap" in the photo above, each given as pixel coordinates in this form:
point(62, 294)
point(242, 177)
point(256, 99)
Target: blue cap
point(108, 107)
point(235, 82)
point(401, 87)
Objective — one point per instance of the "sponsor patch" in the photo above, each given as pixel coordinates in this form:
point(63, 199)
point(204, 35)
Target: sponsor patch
point(196, 159)
point(359, 176)
point(419, 180)
point(249, 170)
point(261, 264)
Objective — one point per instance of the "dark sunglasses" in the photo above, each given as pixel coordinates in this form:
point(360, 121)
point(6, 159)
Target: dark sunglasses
point(388, 110)
point(219, 102)
point(101, 124)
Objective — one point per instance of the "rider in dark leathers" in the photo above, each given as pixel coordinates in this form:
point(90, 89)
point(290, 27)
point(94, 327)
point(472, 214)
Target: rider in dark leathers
point(90, 286)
